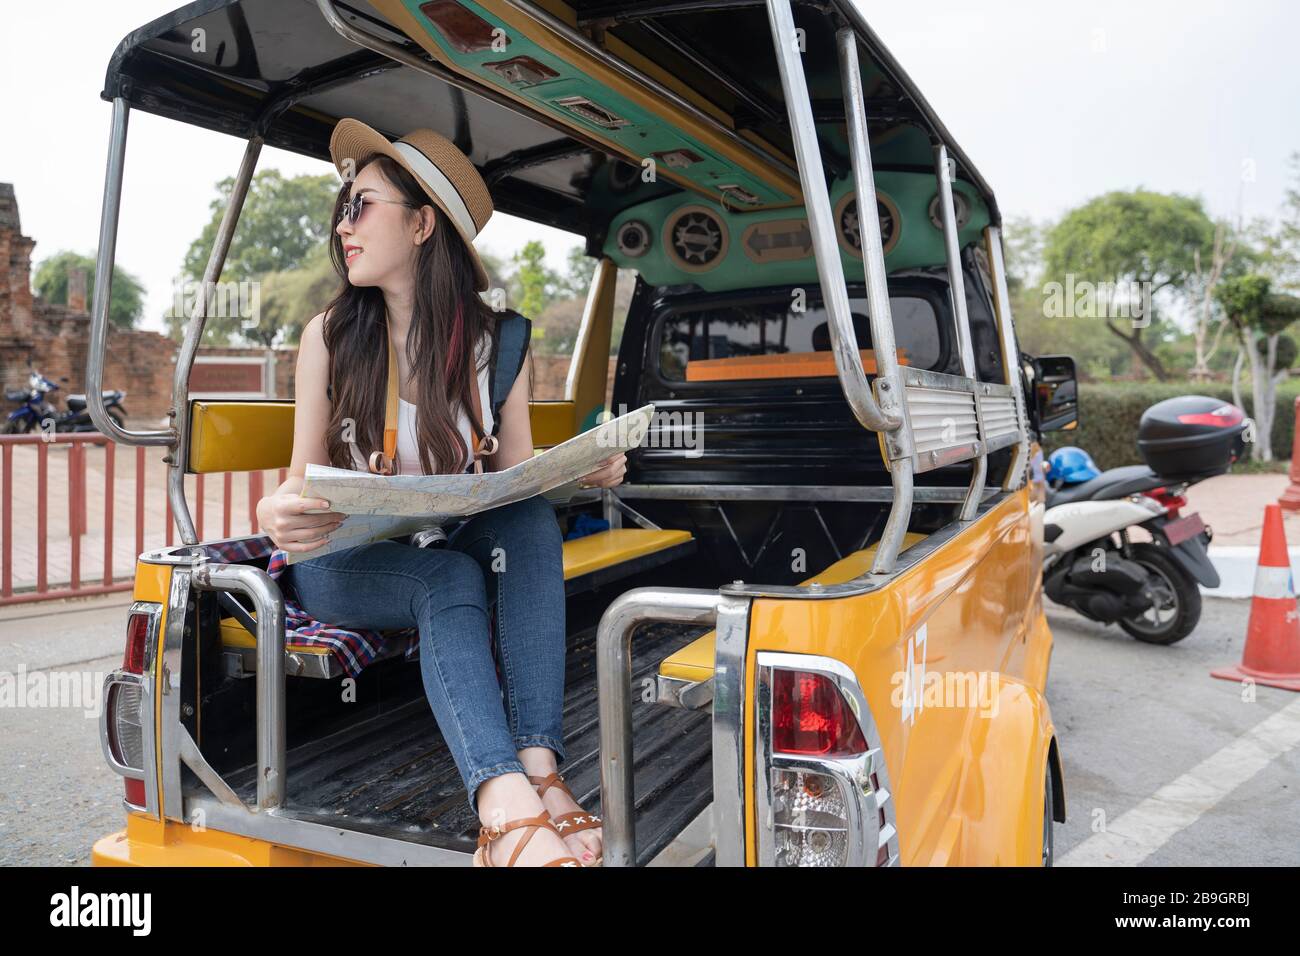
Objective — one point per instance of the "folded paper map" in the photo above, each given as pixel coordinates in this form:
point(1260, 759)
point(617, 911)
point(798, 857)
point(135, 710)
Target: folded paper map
point(388, 506)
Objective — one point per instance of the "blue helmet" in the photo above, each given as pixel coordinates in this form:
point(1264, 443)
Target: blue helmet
point(1072, 466)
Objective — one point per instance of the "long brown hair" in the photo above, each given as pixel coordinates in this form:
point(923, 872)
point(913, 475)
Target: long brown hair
point(448, 318)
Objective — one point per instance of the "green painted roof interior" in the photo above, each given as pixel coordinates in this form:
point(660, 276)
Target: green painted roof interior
point(919, 242)
point(645, 133)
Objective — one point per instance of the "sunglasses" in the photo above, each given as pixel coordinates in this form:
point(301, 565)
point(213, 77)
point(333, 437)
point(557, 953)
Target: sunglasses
point(353, 208)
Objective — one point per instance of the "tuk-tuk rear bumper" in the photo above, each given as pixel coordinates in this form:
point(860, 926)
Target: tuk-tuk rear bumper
point(148, 842)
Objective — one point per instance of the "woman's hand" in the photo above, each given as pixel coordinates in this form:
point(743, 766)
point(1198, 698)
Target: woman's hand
point(609, 474)
point(287, 521)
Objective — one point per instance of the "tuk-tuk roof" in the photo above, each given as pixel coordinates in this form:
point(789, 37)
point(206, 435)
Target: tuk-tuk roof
point(278, 69)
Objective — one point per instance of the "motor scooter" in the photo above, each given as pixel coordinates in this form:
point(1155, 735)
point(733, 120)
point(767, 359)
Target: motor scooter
point(35, 408)
point(1091, 562)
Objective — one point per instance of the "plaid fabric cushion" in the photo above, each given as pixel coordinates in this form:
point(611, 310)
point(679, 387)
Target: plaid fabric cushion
point(353, 649)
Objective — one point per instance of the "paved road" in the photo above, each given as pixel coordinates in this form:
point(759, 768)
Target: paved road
point(1151, 745)
point(57, 796)
point(1204, 777)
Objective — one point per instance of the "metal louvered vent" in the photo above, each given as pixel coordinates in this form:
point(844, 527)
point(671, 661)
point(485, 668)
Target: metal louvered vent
point(1001, 427)
point(591, 111)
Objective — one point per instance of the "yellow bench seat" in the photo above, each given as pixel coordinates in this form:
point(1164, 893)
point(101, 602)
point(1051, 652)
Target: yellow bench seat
point(694, 662)
point(232, 435)
point(605, 549)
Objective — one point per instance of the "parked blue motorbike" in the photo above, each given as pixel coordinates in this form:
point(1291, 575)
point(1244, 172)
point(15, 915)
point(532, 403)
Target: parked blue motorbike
point(34, 408)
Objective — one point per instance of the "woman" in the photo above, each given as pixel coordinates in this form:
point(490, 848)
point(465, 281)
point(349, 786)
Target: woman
point(403, 245)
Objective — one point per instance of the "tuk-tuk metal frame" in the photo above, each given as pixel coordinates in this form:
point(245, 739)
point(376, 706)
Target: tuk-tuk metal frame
point(889, 409)
point(899, 396)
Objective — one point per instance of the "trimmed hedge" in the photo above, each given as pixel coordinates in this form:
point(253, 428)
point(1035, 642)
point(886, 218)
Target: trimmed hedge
point(1109, 413)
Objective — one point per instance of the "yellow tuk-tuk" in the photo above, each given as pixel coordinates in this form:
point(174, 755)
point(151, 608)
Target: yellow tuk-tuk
point(812, 633)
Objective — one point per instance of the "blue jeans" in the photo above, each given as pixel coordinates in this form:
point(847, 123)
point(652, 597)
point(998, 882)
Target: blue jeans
point(510, 557)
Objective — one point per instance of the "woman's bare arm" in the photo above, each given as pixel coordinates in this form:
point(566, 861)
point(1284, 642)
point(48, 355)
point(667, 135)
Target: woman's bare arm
point(282, 512)
point(311, 412)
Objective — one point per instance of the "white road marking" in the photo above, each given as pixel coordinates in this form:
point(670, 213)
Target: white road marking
point(1135, 835)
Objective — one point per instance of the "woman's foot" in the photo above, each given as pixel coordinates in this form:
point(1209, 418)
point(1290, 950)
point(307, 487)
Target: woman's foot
point(586, 845)
point(510, 797)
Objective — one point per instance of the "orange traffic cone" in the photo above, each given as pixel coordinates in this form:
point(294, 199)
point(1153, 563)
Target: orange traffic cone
point(1272, 654)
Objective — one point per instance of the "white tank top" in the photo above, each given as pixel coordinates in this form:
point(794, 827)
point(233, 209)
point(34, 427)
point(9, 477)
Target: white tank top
point(408, 453)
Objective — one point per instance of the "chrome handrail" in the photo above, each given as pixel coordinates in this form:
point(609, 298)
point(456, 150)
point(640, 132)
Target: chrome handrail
point(194, 335)
point(830, 271)
point(944, 174)
point(899, 443)
point(105, 258)
point(890, 414)
point(1010, 356)
point(613, 680)
point(943, 169)
point(270, 688)
point(176, 435)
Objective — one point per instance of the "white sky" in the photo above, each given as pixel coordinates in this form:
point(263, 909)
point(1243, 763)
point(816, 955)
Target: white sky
point(1073, 99)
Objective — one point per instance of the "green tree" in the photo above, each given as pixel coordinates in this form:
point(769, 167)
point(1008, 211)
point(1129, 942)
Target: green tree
point(580, 268)
point(284, 221)
point(1229, 255)
point(51, 284)
point(289, 299)
point(535, 285)
point(1260, 317)
point(1022, 244)
point(1096, 355)
point(562, 296)
point(1126, 238)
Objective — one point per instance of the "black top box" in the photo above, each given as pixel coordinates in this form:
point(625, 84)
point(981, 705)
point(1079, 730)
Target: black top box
point(1191, 437)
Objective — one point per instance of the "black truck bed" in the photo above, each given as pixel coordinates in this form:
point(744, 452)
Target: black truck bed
point(392, 775)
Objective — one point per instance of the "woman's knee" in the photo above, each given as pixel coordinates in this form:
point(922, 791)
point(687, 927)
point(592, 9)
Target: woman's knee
point(536, 515)
point(451, 578)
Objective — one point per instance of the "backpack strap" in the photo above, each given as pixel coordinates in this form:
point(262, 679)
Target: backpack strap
point(514, 331)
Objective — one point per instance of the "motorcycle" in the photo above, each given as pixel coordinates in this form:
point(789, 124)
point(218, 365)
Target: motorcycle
point(1091, 564)
point(35, 408)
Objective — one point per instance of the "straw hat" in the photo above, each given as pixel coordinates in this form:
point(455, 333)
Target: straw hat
point(445, 173)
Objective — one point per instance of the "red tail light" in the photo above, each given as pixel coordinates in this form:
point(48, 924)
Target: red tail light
point(137, 632)
point(811, 716)
point(1220, 418)
point(1171, 502)
point(125, 716)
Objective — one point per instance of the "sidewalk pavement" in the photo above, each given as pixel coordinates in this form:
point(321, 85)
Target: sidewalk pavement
point(211, 519)
point(1233, 507)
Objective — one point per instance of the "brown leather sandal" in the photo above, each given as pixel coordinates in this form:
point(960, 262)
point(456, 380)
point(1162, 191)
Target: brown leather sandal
point(486, 835)
point(574, 821)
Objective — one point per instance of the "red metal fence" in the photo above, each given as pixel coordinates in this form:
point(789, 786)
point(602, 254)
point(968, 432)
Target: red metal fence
point(96, 505)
